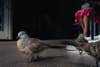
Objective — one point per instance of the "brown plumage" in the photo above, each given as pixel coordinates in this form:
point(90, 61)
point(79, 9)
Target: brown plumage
point(31, 47)
point(92, 49)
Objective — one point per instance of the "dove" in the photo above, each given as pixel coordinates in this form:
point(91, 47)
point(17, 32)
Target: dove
point(31, 47)
point(92, 49)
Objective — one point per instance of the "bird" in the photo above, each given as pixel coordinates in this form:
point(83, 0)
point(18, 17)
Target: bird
point(92, 49)
point(31, 47)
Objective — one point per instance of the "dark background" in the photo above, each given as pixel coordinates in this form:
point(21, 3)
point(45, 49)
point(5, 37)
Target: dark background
point(45, 19)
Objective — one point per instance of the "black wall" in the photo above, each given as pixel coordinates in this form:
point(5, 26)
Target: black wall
point(45, 19)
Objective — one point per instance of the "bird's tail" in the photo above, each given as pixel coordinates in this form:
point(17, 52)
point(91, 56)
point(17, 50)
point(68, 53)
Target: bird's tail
point(56, 46)
point(70, 42)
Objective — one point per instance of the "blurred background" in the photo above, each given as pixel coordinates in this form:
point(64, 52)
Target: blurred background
point(44, 19)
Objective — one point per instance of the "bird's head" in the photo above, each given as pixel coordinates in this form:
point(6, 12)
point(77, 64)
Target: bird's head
point(22, 35)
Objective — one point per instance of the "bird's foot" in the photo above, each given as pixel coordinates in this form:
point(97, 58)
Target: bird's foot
point(37, 58)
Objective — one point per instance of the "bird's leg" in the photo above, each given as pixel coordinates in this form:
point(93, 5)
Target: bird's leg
point(35, 57)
